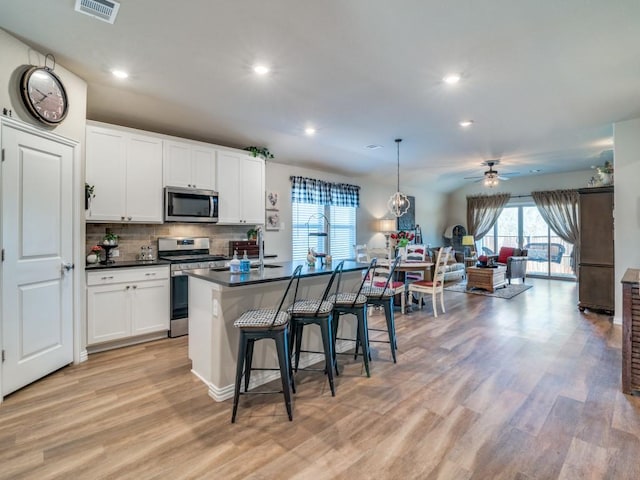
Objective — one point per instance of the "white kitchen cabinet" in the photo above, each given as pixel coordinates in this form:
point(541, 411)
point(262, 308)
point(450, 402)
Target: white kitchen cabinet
point(126, 302)
point(241, 188)
point(126, 171)
point(189, 165)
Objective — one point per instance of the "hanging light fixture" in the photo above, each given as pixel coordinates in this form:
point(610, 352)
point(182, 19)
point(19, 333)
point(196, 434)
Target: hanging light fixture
point(398, 203)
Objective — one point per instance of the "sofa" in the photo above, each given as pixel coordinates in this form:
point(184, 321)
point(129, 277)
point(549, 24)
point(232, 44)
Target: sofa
point(456, 269)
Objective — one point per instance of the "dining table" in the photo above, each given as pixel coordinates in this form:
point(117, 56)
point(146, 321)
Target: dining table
point(406, 266)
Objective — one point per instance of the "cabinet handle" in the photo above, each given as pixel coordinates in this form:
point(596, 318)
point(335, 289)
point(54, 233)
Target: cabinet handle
point(121, 218)
point(150, 274)
point(135, 286)
point(128, 287)
point(106, 278)
point(188, 185)
point(194, 186)
point(129, 218)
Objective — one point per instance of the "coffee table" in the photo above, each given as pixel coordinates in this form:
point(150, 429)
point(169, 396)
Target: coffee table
point(486, 278)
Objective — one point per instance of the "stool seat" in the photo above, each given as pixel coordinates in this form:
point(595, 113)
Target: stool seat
point(347, 298)
point(262, 318)
point(311, 307)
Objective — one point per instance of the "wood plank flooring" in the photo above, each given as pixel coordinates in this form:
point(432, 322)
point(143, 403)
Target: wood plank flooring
point(527, 388)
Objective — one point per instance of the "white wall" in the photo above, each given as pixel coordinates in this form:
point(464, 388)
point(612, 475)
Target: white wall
point(457, 200)
point(626, 203)
point(373, 206)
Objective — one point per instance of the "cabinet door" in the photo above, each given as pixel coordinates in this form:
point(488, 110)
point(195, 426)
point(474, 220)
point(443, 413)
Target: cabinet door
point(144, 179)
point(252, 190)
point(105, 169)
point(149, 307)
point(177, 164)
point(228, 175)
point(203, 168)
point(108, 313)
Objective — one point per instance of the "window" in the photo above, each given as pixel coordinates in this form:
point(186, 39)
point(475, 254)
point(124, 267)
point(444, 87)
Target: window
point(523, 226)
point(308, 218)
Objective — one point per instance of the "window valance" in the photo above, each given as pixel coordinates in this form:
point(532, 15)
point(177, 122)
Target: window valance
point(311, 190)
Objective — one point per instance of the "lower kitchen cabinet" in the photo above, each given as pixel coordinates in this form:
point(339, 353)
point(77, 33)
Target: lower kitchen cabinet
point(126, 302)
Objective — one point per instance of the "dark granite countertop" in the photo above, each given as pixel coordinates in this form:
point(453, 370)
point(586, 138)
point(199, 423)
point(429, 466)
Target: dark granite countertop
point(126, 264)
point(271, 273)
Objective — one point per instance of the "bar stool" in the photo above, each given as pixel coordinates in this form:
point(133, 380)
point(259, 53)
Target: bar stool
point(381, 294)
point(355, 304)
point(257, 325)
point(315, 312)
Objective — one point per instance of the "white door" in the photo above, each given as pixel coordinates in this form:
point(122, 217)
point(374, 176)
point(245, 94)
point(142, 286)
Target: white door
point(37, 290)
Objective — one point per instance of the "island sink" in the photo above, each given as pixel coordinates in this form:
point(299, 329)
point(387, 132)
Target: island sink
point(226, 269)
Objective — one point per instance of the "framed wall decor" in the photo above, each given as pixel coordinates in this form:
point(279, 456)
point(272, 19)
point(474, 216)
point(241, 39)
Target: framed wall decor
point(272, 220)
point(273, 201)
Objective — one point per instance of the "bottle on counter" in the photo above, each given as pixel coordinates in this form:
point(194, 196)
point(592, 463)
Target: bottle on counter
point(234, 264)
point(245, 263)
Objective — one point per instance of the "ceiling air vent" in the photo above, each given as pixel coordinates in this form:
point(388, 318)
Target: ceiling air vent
point(104, 10)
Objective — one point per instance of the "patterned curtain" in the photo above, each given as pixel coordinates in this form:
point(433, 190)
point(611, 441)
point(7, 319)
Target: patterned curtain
point(310, 190)
point(483, 211)
point(559, 208)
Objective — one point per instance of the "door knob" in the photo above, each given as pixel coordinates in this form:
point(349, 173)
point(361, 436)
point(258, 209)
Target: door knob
point(66, 267)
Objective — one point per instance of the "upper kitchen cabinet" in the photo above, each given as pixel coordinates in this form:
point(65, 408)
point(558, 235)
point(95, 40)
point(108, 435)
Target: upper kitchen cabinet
point(241, 188)
point(126, 171)
point(189, 165)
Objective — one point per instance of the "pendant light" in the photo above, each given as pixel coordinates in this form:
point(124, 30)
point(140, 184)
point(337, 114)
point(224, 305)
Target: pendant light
point(398, 203)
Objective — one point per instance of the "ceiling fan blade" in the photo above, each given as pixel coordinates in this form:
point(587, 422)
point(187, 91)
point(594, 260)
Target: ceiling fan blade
point(473, 178)
point(500, 177)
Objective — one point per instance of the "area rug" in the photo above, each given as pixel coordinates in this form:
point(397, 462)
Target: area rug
point(507, 292)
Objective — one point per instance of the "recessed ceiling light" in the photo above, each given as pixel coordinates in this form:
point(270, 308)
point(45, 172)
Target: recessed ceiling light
point(466, 123)
point(451, 78)
point(310, 131)
point(119, 73)
point(261, 69)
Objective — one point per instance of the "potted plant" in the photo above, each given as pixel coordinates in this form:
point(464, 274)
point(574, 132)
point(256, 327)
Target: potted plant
point(94, 254)
point(605, 173)
point(88, 195)
point(252, 234)
point(110, 239)
point(260, 152)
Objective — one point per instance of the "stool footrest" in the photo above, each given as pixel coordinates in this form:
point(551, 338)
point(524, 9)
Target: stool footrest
point(261, 393)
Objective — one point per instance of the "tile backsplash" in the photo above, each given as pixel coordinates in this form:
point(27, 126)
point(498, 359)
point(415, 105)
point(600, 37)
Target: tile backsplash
point(132, 236)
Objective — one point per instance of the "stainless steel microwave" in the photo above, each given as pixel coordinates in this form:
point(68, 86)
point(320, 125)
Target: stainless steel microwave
point(190, 205)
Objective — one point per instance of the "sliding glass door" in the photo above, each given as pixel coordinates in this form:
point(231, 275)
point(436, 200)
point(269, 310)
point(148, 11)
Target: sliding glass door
point(522, 226)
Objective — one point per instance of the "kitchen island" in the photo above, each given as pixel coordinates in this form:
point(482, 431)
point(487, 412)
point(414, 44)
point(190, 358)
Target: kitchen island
point(218, 298)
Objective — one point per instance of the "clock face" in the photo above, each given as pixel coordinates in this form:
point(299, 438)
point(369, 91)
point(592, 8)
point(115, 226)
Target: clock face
point(44, 95)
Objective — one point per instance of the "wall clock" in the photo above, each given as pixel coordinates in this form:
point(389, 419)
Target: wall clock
point(44, 95)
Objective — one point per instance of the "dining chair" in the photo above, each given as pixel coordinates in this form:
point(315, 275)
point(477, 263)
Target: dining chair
point(435, 285)
point(259, 324)
point(416, 253)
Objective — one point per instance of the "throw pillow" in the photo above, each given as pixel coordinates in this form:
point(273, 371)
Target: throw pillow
point(505, 253)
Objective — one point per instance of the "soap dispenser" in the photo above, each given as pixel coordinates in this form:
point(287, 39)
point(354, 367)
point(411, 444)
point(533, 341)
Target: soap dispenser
point(245, 264)
point(234, 264)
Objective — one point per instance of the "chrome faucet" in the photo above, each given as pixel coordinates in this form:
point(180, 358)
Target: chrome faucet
point(260, 247)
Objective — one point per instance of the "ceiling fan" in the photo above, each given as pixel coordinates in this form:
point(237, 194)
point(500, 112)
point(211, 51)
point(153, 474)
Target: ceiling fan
point(491, 177)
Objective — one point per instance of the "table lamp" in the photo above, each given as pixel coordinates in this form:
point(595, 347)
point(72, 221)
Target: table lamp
point(387, 226)
point(469, 245)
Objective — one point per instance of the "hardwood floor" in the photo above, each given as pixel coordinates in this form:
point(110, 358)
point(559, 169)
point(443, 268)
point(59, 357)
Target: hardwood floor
point(527, 388)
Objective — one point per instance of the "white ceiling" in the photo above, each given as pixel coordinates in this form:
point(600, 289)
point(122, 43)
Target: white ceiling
point(542, 80)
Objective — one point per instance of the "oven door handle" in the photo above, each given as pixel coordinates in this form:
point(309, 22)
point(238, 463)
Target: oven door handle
point(178, 273)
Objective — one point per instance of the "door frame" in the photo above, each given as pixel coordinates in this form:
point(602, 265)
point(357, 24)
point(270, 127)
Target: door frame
point(77, 221)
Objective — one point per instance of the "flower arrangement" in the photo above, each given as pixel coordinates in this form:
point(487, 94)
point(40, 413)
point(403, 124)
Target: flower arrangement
point(606, 168)
point(402, 238)
point(96, 249)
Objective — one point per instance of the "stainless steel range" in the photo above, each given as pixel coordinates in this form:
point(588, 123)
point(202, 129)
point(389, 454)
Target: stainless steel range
point(184, 253)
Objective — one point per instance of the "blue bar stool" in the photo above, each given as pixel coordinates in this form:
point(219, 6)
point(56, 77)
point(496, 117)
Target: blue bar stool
point(257, 325)
point(315, 312)
point(355, 304)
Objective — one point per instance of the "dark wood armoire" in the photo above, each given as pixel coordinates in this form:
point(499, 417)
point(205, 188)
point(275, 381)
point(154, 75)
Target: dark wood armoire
point(596, 287)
